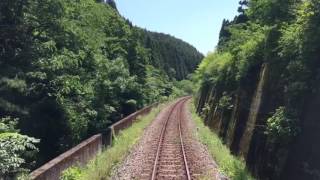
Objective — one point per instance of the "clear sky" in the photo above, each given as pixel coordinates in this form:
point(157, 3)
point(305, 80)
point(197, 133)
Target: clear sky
point(197, 22)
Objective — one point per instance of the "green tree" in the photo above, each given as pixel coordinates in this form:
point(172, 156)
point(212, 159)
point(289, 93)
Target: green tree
point(14, 148)
point(68, 69)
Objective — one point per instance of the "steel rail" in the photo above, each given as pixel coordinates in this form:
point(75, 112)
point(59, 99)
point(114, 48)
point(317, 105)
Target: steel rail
point(182, 145)
point(154, 171)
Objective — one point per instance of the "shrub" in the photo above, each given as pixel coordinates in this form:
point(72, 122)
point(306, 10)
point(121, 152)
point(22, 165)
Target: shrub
point(281, 127)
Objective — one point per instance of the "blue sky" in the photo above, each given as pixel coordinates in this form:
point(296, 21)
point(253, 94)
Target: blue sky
point(197, 22)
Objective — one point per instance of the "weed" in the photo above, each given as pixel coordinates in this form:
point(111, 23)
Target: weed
point(228, 164)
point(102, 166)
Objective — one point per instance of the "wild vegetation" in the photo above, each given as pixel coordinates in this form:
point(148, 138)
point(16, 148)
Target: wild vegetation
point(14, 147)
point(258, 89)
point(68, 69)
point(228, 165)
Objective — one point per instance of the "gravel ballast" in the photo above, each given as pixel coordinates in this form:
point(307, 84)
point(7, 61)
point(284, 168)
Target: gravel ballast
point(139, 163)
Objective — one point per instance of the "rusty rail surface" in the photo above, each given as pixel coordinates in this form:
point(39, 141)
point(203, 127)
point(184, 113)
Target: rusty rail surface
point(86, 150)
point(161, 137)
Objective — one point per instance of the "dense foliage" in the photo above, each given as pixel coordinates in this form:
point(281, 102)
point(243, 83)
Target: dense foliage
point(174, 56)
point(284, 33)
point(14, 148)
point(280, 127)
point(68, 69)
point(284, 36)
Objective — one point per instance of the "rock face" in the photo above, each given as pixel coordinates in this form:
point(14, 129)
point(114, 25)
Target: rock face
point(243, 127)
point(254, 112)
point(304, 159)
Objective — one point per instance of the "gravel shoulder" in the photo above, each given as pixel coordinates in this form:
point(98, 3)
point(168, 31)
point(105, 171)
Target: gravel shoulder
point(201, 163)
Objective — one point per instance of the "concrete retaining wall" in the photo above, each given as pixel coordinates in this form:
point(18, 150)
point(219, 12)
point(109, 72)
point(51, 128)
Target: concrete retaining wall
point(80, 154)
point(86, 150)
point(129, 120)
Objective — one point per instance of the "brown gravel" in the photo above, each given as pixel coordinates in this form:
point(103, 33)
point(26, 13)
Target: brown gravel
point(202, 164)
point(139, 163)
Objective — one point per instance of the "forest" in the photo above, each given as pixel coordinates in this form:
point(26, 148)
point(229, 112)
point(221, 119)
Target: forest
point(259, 90)
point(69, 69)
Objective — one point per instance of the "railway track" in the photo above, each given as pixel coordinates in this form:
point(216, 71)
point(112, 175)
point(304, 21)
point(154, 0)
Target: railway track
point(168, 150)
point(170, 161)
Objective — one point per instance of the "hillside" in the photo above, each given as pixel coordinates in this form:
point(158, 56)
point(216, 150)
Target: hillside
point(68, 69)
point(259, 90)
point(176, 57)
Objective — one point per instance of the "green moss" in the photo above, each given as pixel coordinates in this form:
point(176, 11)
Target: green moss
point(228, 164)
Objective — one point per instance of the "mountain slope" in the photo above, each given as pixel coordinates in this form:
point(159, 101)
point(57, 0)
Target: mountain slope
point(69, 69)
point(176, 57)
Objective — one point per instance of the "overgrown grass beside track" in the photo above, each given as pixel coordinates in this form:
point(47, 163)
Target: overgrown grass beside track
point(103, 165)
point(228, 164)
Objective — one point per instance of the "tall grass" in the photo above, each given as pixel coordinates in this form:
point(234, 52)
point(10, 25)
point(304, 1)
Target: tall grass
point(102, 166)
point(228, 164)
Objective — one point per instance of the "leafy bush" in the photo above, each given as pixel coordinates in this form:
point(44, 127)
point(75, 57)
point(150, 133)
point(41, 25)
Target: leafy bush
point(225, 102)
point(72, 173)
point(14, 147)
point(280, 127)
